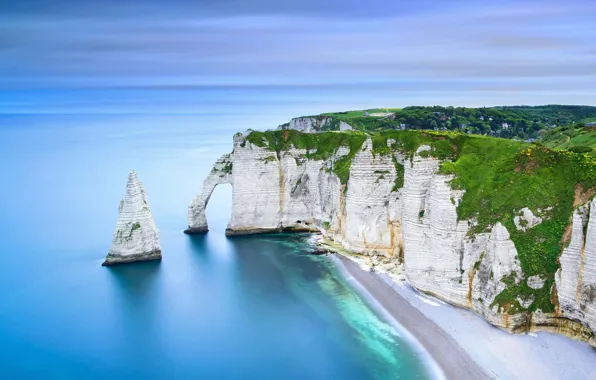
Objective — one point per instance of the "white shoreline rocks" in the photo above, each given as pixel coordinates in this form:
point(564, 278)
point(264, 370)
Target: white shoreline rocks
point(136, 237)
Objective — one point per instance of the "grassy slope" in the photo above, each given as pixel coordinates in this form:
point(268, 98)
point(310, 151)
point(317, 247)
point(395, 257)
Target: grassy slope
point(500, 178)
point(359, 113)
point(569, 137)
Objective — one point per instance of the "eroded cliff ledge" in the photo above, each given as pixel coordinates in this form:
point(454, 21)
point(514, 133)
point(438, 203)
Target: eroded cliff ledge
point(136, 237)
point(500, 227)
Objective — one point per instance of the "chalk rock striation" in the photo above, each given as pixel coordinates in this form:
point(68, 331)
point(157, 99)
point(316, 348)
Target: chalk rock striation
point(136, 237)
point(576, 279)
point(392, 198)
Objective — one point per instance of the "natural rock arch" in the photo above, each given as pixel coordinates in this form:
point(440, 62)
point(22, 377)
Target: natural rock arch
point(220, 174)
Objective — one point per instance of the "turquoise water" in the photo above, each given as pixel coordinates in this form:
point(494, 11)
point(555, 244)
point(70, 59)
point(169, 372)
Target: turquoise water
point(214, 308)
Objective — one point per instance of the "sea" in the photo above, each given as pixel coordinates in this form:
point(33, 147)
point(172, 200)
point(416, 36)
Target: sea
point(215, 307)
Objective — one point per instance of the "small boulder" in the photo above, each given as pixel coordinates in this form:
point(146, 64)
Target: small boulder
point(536, 282)
point(526, 220)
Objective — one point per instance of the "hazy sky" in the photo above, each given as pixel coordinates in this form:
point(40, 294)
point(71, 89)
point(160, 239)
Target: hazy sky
point(503, 52)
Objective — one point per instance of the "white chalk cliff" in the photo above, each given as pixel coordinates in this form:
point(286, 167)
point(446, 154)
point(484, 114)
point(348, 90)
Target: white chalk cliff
point(311, 124)
point(576, 279)
point(414, 224)
point(136, 237)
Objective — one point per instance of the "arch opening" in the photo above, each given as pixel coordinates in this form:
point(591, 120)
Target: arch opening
point(218, 207)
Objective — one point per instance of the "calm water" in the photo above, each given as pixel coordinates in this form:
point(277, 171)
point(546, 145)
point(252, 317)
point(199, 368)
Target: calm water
point(214, 308)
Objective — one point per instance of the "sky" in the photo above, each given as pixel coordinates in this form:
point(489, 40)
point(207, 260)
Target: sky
point(396, 53)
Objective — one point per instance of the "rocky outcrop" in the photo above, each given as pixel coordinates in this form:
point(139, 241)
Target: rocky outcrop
point(536, 282)
point(310, 124)
point(343, 126)
point(526, 219)
point(400, 207)
point(136, 237)
point(315, 124)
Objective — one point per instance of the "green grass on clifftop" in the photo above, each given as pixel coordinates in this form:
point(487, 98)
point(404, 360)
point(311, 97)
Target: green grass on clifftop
point(578, 138)
point(521, 122)
point(320, 146)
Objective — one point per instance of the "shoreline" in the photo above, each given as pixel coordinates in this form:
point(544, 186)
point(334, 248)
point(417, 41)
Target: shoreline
point(446, 359)
point(463, 344)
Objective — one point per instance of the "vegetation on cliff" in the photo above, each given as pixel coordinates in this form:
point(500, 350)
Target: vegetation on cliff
point(499, 176)
point(577, 138)
point(522, 122)
point(319, 146)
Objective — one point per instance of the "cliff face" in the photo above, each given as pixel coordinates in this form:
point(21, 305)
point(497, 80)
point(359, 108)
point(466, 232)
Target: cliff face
point(315, 124)
point(309, 124)
point(393, 199)
point(576, 279)
point(136, 237)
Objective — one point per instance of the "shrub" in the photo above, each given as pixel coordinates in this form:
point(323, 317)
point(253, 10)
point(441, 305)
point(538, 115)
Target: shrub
point(580, 149)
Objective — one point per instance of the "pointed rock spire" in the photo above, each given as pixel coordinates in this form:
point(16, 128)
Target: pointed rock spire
point(136, 237)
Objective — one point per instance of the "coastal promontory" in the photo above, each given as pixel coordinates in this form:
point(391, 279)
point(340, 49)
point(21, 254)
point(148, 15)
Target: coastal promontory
point(502, 227)
point(136, 237)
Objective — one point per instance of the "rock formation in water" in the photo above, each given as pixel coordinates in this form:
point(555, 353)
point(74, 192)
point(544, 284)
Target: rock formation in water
point(417, 200)
point(136, 237)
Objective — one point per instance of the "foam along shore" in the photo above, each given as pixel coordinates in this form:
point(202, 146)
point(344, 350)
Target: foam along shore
point(462, 343)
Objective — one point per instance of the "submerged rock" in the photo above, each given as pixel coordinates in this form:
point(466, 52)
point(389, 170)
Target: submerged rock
point(136, 237)
point(318, 250)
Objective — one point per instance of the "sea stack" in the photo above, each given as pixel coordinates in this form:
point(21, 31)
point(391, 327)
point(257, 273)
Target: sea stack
point(136, 237)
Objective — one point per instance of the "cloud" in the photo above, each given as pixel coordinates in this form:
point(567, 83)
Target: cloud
point(209, 9)
point(408, 45)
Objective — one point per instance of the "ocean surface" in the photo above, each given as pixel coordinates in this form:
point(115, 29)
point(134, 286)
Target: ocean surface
point(215, 307)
